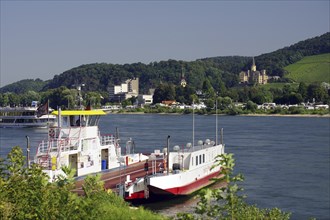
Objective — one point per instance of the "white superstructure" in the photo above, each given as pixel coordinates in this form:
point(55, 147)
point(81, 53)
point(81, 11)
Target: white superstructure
point(180, 172)
point(24, 117)
point(76, 142)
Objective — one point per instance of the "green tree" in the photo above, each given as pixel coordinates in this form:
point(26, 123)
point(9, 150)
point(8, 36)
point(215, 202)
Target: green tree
point(302, 90)
point(93, 98)
point(260, 96)
point(27, 98)
point(224, 103)
point(295, 98)
point(164, 92)
point(208, 90)
point(13, 99)
point(317, 92)
point(4, 100)
point(251, 106)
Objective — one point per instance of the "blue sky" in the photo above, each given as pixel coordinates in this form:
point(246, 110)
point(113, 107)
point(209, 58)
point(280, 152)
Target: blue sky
point(40, 39)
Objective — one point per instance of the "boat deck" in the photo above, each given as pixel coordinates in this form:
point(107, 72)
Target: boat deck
point(112, 178)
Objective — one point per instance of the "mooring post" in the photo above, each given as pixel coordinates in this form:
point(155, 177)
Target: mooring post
point(27, 151)
point(168, 154)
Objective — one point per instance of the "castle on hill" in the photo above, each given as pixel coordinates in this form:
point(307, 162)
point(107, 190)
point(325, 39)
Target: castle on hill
point(253, 76)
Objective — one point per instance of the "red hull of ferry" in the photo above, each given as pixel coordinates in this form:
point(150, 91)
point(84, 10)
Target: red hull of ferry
point(176, 191)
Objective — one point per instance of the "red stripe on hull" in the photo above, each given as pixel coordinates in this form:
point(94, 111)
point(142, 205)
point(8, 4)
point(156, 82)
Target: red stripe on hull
point(183, 190)
point(136, 195)
point(187, 189)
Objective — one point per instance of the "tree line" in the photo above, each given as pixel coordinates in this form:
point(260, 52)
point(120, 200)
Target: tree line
point(211, 77)
point(290, 94)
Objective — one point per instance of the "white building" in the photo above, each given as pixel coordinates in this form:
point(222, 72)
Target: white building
point(125, 90)
point(145, 100)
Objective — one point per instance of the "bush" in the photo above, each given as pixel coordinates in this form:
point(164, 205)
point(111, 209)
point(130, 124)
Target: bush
point(25, 193)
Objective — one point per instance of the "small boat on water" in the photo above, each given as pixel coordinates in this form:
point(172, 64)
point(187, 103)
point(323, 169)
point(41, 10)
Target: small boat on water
point(179, 172)
point(22, 117)
point(77, 143)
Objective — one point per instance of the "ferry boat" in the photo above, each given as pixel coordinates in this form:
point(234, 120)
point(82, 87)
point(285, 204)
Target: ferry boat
point(24, 117)
point(179, 172)
point(76, 142)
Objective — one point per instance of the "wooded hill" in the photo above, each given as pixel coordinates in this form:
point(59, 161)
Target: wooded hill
point(220, 71)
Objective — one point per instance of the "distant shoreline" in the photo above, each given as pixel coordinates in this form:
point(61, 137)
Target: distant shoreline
point(289, 115)
point(249, 115)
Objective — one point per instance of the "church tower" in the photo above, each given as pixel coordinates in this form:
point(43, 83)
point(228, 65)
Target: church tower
point(253, 67)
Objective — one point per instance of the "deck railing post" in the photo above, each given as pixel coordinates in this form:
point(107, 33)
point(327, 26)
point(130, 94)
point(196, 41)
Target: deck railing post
point(168, 154)
point(27, 151)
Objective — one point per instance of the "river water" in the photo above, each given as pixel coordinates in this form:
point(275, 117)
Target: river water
point(285, 160)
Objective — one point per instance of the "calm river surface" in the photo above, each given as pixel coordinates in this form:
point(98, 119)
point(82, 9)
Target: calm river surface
point(285, 160)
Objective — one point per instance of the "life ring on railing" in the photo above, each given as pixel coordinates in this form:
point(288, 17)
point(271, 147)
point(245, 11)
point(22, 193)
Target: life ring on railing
point(51, 133)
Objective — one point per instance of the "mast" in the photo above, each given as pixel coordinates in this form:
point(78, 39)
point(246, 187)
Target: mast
point(168, 155)
point(47, 114)
point(193, 134)
point(59, 120)
point(216, 121)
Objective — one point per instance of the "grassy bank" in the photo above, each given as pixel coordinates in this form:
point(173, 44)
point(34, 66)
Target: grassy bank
point(292, 111)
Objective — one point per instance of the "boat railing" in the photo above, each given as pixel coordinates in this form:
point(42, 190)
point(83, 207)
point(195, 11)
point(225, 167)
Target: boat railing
point(43, 147)
point(197, 148)
point(57, 145)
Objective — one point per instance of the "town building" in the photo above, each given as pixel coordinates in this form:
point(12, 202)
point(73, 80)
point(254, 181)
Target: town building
point(253, 76)
point(145, 100)
point(126, 90)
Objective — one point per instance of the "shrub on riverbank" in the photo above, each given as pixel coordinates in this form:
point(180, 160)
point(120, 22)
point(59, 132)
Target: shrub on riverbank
point(25, 193)
point(232, 110)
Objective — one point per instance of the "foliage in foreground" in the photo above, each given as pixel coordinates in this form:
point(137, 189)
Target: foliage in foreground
point(25, 193)
point(226, 202)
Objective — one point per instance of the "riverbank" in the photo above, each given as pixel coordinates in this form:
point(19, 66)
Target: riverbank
point(289, 115)
point(250, 114)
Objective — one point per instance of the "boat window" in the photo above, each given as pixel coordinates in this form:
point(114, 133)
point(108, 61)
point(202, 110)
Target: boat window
point(203, 158)
point(72, 121)
point(78, 121)
point(200, 158)
point(196, 160)
point(64, 122)
point(192, 161)
point(93, 120)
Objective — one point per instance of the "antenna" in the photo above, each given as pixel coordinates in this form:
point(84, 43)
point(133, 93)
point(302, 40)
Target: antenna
point(80, 99)
point(193, 134)
point(216, 120)
point(168, 154)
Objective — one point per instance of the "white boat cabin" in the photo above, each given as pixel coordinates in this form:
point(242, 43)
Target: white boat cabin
point(76, 142)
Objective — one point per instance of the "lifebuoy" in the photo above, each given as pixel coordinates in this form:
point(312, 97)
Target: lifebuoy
point(51, 133)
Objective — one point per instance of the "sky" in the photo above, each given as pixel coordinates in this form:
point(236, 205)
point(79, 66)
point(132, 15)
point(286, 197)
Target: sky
point(41, 39)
